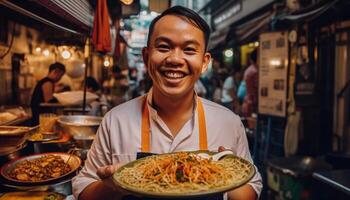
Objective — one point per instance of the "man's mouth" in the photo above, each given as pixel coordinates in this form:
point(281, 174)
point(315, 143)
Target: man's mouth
point(173, 75)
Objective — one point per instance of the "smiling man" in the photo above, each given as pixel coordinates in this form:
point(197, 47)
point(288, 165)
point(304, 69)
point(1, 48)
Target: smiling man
point(171, 117)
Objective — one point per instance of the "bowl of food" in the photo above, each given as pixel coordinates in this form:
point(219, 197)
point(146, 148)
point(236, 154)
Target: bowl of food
point(11, 136)
point(79, 125)
point(40, 169)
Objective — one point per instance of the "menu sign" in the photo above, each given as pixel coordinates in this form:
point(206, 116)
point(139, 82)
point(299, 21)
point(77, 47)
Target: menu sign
point(273, 71)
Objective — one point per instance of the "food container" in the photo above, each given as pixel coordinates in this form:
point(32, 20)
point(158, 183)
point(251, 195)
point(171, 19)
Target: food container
point(74, 97)
point(79, 125)
point(83, 142)
point(12, 136)
point(10, 153)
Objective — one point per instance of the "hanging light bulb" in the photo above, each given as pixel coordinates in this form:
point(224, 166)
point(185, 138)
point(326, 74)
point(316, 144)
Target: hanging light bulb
point(127, 2)
point(66, 54)
point(106, 63)
point(38, 49)
point(228, 53)
point(46, 52)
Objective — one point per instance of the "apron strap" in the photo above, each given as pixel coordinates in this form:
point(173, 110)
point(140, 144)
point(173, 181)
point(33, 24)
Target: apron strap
point(145, 127)
point(203, 143)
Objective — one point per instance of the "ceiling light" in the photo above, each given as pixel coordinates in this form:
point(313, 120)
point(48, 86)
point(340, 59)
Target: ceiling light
point(66, 54)
point(228, 53)
point(46, 52)
point(38, 49)
point(127, 2)
point(106, 63)
point(275, 62)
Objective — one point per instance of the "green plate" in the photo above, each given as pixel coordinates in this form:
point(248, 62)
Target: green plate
point(249, 173)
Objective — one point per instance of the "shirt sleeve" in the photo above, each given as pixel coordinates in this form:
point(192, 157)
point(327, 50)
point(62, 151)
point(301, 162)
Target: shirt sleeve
point(242, 150)
point(98, 156)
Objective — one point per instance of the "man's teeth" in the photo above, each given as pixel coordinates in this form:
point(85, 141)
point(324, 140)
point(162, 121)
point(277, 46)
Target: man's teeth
point(174, 74)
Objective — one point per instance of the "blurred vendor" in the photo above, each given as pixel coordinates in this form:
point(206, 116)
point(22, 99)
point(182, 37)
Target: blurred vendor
point(99, 106)
point(44, 89)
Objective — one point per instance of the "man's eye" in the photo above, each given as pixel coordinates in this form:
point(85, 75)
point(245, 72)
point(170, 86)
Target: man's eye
point(190, 50)
point(163, 47)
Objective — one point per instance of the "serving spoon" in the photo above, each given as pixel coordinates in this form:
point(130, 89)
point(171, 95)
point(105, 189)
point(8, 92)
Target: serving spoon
point(216, 156)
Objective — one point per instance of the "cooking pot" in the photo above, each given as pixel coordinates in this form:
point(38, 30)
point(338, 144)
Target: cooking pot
point(79, 125)
point(11, 136)
point(83, 142)
point(8, 154)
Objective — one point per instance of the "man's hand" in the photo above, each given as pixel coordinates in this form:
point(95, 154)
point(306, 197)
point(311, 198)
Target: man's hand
point(221, 148)
point(245, 192)
point(105, 188)
point(105, 173)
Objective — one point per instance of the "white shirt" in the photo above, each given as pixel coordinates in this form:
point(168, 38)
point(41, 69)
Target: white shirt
point(228, 86)
point(118, 138)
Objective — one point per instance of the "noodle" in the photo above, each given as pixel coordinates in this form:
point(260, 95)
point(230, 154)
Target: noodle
point(183, 172)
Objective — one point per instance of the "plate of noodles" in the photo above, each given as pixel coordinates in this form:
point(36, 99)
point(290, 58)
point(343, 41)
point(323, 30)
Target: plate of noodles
point(183, 174)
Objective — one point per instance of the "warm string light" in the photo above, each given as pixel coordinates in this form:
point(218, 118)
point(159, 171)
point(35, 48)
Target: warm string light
point(46, 52)
point(106, 63)
point(228, 53)
point(66, 54)
point(127, 2)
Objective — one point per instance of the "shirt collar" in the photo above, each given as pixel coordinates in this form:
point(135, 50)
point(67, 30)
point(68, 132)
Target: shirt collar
point(153, 111)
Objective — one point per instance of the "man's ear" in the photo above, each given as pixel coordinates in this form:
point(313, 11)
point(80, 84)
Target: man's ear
point(145, 56)
point(206, 60)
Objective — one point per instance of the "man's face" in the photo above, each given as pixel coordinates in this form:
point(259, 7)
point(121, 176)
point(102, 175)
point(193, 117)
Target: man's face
point(57, 75)
point(176, 56)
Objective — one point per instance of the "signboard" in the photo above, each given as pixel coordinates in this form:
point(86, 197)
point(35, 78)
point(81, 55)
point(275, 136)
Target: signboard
point(227, 13)
point(273, 71)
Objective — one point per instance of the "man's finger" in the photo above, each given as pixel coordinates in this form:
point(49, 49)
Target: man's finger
point(221, 148)
point(107, 171)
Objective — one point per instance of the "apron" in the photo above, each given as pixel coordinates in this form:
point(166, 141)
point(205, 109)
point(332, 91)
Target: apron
point(146, 146)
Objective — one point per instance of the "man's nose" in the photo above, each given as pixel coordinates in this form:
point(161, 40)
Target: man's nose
point(175, 58)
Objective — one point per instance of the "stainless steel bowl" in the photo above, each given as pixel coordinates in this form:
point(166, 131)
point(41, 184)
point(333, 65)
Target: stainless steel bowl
point(79, 125)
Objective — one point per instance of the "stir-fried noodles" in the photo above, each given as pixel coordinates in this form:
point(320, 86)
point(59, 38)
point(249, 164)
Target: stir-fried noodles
point(183, 172)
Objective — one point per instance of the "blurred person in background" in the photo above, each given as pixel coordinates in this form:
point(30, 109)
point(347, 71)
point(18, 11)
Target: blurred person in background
point(229, 92)
point(200, 89)
point(216, 83)
point(119, 87)
point(242, 91)
point(44, 90)
point(140, 89)
point(99, 106)
point(251, 78)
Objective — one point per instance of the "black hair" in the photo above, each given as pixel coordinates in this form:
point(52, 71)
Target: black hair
point(57, 65)
point(253, 55)
point(191, 15)
point(92, 83)
point(116, 69)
